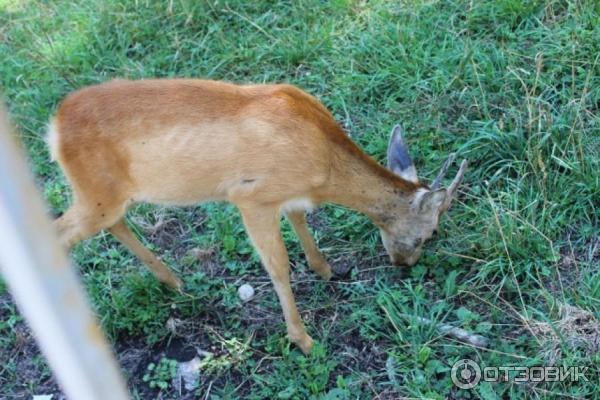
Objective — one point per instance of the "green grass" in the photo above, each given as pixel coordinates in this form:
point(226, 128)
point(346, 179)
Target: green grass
point(513, 85)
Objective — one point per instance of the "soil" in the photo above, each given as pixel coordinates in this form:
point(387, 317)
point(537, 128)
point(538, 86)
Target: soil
point(192, 335)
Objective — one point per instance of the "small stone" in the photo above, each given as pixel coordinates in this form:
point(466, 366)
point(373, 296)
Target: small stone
point(246, 292)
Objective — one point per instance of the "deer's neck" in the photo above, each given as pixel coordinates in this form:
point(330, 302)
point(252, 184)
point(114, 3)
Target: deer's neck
point(360, 183)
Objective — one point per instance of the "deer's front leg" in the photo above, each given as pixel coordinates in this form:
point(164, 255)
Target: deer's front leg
point(315, 259)
point(262, 225)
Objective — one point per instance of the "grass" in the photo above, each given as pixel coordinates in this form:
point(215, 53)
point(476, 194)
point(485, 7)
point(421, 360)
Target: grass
point(513, 85)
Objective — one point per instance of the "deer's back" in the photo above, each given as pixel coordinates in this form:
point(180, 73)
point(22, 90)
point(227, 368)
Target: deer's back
point(180, 141)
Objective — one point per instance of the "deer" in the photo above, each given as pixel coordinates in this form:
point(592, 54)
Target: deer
point(269, 149)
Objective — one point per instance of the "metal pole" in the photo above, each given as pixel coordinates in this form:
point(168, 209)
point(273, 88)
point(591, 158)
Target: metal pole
point(46, 288)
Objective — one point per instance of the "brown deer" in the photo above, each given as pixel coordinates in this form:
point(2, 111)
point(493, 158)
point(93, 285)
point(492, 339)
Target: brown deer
point(268, 149)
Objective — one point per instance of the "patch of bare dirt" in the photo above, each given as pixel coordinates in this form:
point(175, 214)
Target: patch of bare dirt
point(22, 366)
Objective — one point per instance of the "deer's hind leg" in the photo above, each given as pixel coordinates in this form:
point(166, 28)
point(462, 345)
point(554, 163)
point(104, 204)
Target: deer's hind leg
point(84, 219)
point(158, 268)
point(99, 180)
point(102, 190)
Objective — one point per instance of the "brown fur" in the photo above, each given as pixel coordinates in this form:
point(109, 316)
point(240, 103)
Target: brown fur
point(265, 148)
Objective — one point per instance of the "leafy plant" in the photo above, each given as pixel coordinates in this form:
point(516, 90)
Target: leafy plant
point(159, 376)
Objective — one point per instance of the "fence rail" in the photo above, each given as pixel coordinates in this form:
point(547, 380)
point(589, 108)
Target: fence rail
point(46, 288)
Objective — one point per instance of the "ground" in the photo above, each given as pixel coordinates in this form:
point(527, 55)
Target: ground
point(512, 85)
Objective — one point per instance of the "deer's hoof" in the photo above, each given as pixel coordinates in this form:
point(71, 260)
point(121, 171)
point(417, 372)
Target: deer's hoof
point(173, 282)
point(325, 273)
point(305, 343)
point(322, 268)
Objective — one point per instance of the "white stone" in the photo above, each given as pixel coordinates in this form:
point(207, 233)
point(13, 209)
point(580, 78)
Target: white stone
point(246, 292)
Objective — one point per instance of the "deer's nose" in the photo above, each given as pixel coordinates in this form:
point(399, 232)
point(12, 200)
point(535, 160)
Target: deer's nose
point(401, 260)
point(408, 261)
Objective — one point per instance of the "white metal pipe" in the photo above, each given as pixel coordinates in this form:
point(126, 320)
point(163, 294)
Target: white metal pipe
point(46, 288)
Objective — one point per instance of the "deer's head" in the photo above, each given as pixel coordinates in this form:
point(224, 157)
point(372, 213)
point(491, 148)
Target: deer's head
point(405, 232)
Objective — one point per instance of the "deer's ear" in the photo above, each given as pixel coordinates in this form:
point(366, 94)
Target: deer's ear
point(399, 161)
point(431, 201)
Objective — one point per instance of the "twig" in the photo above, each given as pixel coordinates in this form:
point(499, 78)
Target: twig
point(458, 333)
